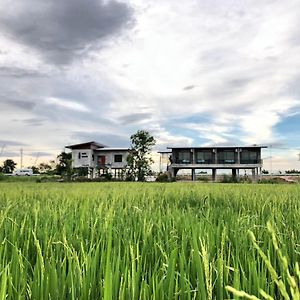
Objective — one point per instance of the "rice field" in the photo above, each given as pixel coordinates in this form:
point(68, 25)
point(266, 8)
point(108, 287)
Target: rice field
point(149, 241)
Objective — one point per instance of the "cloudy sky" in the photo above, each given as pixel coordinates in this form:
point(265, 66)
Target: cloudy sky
point(193, 72)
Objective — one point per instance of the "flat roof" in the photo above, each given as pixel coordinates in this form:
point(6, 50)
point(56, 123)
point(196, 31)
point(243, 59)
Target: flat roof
point(218, 147)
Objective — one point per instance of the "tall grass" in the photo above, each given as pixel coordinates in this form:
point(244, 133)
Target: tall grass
point(147, 241)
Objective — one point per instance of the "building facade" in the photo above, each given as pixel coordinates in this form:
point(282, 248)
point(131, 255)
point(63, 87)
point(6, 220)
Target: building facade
point(216, 158)
point(99, 159)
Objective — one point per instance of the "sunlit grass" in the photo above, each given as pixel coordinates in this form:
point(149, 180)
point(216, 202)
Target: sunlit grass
point(147, 241)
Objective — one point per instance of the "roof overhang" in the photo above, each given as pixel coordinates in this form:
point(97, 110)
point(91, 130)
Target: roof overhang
point(219, 147)
point(113, 149)
point(88, 145)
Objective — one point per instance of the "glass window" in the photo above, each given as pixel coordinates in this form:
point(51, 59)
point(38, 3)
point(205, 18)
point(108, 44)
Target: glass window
point(118, 158)
point(184, 157)
point(229, 156)
point(204, 157)
point(249, 156)
point(226, 157)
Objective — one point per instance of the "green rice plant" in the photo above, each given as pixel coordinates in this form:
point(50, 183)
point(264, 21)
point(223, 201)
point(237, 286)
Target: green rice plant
point(148, 241)
point(288, 285)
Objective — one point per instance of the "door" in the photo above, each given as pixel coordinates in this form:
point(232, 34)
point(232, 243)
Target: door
point(101, 160)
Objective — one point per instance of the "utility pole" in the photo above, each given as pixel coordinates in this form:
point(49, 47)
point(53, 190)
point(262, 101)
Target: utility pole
point(160, 162)
point(271, 171)
point(2, 149)
point(21, 152)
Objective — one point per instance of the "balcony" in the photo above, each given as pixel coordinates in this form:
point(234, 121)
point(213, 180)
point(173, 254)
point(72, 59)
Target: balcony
point(226, 161)
point(250, 161)
point(213, 162)
point(205, 161)
point(183, 161)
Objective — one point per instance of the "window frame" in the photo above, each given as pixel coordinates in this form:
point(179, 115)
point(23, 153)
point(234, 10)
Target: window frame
point(120, 156)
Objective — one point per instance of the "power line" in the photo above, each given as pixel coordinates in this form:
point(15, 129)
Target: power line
point(271, 163)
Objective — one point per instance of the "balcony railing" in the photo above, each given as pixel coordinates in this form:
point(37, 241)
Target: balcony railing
point(183, 161)
point(226, 161)
point(250, 161)
point(204, 161)
point(219, 161)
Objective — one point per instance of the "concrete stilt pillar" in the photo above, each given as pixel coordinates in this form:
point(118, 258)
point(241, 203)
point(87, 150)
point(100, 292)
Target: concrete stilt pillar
point(260, 176)
point(214, 174)
point(193, 174)
point(173, 172)
point(234, 174)
point(253, 174)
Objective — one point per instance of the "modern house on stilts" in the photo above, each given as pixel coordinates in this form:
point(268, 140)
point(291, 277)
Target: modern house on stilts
point(216, 158)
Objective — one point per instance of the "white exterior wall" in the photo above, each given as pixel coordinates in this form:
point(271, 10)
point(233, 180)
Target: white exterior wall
point(82, 161)
point(89, 162)
point(109, 158)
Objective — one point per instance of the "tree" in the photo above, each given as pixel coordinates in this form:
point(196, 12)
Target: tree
point(64, 166)
point(81, 171)
point(45, 168)
point(8, 166)
point(35, 170)
point(293, 171)
point(138, 159)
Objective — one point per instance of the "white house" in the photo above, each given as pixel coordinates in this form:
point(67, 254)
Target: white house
point(99, 159)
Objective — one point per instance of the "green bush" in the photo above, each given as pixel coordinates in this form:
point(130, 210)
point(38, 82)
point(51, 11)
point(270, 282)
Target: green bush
point(274, 180)
point(203, 178)
point(80, 172)
point(229, 179)
point(163, 177)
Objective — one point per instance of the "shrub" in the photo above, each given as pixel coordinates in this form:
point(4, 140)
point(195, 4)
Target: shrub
point(163, 177)
point(229, 179)
point(107, 176)
point(81, 171)
point(203, 178)
point(274, 180)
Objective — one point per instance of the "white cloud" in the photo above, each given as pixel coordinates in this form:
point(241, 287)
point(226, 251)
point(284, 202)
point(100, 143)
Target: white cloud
point(178, 45)
point(72, 105)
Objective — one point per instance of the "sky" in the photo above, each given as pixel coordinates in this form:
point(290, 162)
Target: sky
point(193, 73)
